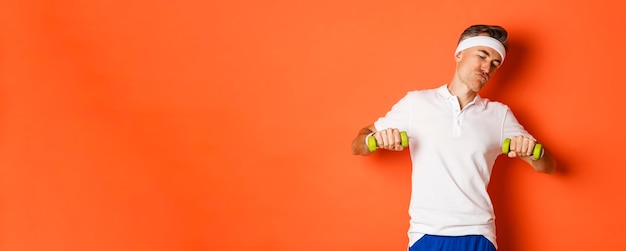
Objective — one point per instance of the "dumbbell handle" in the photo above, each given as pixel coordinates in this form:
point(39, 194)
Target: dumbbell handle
point(372, 144)
point(537, 151)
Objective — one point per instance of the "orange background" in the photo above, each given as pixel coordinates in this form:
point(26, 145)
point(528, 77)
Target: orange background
point(226, 125)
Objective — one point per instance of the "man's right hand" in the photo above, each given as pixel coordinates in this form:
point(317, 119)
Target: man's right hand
point(389, 139)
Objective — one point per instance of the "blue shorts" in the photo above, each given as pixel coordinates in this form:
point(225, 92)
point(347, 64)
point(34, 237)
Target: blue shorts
point(453, 243)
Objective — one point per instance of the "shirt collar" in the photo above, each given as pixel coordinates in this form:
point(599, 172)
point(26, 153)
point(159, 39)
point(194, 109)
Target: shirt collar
point(444, 93)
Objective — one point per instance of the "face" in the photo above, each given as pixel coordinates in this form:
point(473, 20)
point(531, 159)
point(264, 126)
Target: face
point(476, 65)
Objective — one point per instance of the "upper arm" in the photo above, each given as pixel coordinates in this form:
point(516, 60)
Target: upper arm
point(399, 116)
point(511, 126)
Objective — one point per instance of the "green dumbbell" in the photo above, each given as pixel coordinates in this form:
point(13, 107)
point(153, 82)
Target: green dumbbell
point(372, 144)
point(536, 152)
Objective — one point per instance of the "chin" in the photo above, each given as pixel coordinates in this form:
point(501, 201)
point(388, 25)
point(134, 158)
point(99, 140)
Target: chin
point(477, 87)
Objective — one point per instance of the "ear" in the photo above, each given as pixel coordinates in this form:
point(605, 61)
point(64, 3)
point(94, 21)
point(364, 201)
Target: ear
point(458, 56)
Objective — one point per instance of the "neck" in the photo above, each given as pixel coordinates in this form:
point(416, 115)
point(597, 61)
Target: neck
point(464, 94)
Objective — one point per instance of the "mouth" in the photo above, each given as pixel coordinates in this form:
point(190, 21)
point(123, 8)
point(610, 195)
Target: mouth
point(483, 76)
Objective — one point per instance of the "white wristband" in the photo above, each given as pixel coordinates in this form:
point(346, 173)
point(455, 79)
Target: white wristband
point(366, 137)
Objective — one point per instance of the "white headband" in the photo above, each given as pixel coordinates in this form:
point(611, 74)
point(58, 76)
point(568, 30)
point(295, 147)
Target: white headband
point(482, 41)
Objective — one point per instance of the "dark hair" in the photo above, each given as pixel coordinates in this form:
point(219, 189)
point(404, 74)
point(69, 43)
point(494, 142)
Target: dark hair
point(493, 31)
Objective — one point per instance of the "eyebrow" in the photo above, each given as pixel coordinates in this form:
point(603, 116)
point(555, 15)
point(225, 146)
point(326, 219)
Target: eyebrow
point(484, 51)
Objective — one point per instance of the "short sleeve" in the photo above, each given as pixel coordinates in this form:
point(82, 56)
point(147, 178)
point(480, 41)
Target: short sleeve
point(398, 117)
point(511, 127)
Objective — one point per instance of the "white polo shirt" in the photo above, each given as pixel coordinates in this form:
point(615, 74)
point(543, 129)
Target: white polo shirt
point(453, 152)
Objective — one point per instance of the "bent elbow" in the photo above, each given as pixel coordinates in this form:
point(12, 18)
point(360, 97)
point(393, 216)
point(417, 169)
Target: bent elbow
point(548, 169)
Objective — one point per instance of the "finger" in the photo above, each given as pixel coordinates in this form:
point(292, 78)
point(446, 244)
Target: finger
point(391, 139)
point(382, 139)
point(513, 144)
point(530, 147)
point(524, 146)
point(396, 138)
point(512, 155)
point(389, 145)
point(521, 146)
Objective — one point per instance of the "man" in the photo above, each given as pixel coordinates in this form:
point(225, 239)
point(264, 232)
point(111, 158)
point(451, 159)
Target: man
point(455, 137)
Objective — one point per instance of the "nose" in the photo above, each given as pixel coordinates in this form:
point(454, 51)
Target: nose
point(486, 67)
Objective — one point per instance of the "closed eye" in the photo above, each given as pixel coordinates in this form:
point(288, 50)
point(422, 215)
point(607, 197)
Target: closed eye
point(483, 54)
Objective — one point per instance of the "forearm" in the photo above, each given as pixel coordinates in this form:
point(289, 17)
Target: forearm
point(358, 144)
point(546, 164)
